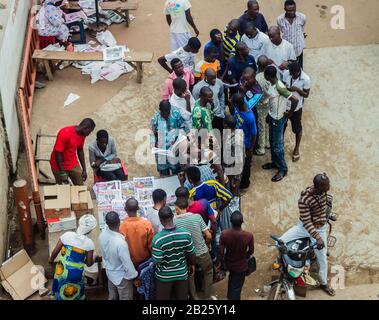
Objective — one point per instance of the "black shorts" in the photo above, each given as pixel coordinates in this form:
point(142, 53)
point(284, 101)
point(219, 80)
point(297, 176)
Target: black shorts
point(296, 121)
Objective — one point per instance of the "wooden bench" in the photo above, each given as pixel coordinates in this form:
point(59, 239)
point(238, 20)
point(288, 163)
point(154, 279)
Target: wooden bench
point(119, 7)
point(135, 59)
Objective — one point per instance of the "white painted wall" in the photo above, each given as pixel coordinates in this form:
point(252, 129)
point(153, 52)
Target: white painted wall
point(13, 20)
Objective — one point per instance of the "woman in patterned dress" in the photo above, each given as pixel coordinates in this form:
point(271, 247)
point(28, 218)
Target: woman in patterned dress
point(76, 251)
point(50, 21)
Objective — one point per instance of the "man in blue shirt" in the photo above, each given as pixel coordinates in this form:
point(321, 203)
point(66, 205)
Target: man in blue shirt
point(217, 42)
point(238, 63)
point(253, 16)
point(245, 120)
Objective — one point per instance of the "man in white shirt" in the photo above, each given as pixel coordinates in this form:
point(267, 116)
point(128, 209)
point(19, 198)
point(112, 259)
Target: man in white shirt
point(185, 54)
point(292, 24)
point(159, 199)
point(116, 259)
point(279, 51)
point(299, 83)
point(183, 101)
point(178, 16)
point(278, 114)
point(255, 41)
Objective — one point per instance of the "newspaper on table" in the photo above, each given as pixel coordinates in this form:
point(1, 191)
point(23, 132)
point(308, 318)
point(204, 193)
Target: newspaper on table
point(127, 190)
point(75, 16)
point(111, 54)
point(144, 188)
point(169, 184)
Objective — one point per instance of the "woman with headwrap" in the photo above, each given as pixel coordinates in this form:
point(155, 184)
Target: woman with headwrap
point(76, 251)
point(50, 21)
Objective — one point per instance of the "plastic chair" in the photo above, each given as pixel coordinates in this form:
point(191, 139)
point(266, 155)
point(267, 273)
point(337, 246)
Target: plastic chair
point(97, 179)
point(46, 41)
point(82, 32)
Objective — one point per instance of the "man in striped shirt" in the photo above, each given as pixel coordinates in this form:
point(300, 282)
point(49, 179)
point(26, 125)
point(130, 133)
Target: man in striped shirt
point(201, 237)
point(231, 38)
point(173, 250)
point(313, 224)
point(292, 24)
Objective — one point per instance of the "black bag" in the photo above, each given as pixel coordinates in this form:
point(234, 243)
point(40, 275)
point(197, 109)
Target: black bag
point(251, 265)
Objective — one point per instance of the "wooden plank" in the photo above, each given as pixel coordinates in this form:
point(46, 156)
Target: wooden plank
point(89, 56)
point(114, 5)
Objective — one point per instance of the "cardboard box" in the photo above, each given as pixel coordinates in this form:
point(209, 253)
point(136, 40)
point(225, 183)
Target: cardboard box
point(57, 201)
point(80, 213)
point(79, 199)
point(62, 224)
point(20, 277)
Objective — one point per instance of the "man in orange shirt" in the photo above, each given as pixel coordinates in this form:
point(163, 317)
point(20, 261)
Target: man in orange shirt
point(210, 61)
point(138, 233)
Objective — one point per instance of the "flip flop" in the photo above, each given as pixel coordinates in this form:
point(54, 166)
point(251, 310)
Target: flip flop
point(295, 157)
point(328, 290)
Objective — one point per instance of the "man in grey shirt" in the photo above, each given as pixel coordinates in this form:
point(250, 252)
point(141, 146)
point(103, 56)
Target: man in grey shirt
point(217, 88)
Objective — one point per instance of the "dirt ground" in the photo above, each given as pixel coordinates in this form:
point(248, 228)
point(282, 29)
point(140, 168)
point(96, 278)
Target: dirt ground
point(340, 124)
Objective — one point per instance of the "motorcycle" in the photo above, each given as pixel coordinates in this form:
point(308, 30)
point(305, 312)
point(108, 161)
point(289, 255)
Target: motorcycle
point(295, 260)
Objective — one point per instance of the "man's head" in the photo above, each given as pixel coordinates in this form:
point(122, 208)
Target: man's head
point(274, 35)
point(238, 100)
point(321, 183)
point(206, 95)
point(252, 8)
point(211, 54)
point(290, 8)
point(210, 76)
point(232, 28)
point(182, 192)
point(181, 205)
point(270, 74)
point(165, 109)
point(86, 127)
point(159, 197)
point(248, 77)
point(102, 138)
point(112, 220)
point(177, 66)
point(193, 175)
point(229, 122)
point(131, 207)
point(236, 219)
point(250, 31)
point(242, 49)
point(262, 62)
point(194, 45)
point(180, 86)
point(294, 69)
point(166, 216)
point(216, 36)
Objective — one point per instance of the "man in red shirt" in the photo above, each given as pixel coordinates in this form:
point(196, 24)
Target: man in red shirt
point(67, 149)
point(239, 246)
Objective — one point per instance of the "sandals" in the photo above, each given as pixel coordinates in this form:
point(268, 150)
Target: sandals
point(295, 157)
point(328, 290)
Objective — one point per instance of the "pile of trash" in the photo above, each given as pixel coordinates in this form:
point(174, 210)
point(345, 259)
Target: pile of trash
point(98, 70)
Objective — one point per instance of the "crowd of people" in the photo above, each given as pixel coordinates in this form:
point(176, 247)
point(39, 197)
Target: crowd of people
point(243, 91)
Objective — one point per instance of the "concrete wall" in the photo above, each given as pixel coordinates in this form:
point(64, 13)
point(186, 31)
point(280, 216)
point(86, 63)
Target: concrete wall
point(13, 19)
point(4, 191)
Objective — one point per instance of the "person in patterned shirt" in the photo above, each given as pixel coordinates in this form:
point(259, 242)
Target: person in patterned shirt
point(165, 126)
point(202, 113)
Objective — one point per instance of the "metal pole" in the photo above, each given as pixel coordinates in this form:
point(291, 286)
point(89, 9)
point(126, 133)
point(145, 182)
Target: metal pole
point(24, 215)
point(97, 13)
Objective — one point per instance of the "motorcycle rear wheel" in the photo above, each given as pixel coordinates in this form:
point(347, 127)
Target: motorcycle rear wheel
point(282, 295)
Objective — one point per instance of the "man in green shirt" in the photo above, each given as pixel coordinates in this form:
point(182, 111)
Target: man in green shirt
point(202, 113)
point(173, 249)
